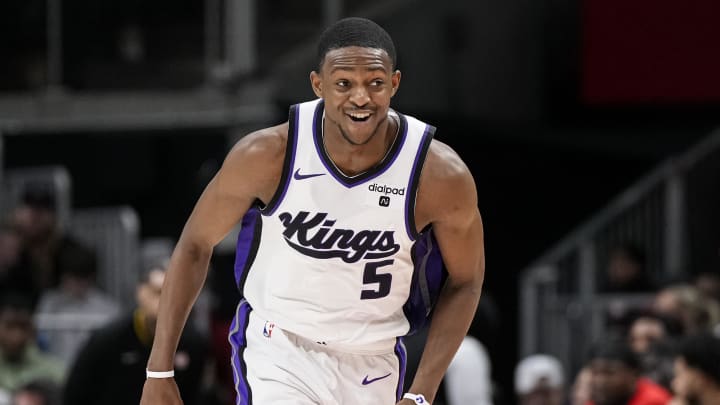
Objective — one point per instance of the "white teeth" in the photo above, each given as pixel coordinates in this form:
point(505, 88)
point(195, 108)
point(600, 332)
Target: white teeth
point(359, 116)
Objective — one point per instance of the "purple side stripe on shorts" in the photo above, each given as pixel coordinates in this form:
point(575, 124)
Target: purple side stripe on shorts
point(238, 342)
point(401, 353)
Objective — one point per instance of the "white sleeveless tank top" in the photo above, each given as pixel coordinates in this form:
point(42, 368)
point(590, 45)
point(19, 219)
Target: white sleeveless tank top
point(337, 259)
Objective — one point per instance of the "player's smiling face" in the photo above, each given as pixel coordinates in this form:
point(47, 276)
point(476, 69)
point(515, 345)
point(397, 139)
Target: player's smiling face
point(356, 84)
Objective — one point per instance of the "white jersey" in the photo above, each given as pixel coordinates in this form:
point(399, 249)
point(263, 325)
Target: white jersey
point(337, 259)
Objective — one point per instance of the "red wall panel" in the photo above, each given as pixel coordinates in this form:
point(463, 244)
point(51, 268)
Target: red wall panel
point(651, 51)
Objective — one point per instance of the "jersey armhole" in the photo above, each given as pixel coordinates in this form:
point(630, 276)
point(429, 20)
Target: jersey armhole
point(415, 180)
point(288, 164)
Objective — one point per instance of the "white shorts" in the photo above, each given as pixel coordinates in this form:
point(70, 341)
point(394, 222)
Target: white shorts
point(274, 366)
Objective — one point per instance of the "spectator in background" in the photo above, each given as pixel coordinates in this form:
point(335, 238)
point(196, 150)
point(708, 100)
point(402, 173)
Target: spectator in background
point(644, 331)
point(616, 378)
point(474, 357)
point(697, 371)
point(651, 337)
point(688, 306)
point(20, 359)
point(47, 252)
point(709, 285)
point(110, 368)
point(468, 380)
point(79, 301)
point(649, 327)
point(658, 362)
point(37, 393)
point(627, 272)
point(472, 362)
point(540, 380)
point(11, 277)
point(581, 391)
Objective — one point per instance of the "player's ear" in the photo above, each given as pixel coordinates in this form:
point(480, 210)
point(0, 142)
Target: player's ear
point(316, 83)
point(395, 81)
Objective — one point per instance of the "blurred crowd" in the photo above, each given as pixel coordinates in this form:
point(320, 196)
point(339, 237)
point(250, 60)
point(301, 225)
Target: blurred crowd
point(63, 340)
point(663, 352)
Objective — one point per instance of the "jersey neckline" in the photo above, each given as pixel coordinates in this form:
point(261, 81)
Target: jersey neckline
point(374, 172)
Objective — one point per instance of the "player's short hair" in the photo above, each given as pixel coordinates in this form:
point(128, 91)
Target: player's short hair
point(702, 352)
point(355, 31)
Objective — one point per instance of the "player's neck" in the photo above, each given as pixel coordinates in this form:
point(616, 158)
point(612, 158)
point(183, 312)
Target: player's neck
point(355, 159)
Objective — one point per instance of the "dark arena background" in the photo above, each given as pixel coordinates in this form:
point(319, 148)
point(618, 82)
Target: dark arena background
point(589, 127)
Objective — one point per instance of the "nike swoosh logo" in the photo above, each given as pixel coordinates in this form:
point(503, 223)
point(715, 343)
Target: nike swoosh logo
point(299, 176)
point(366, 381)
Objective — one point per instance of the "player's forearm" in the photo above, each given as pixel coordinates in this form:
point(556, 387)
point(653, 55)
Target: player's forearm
point(183, 282)
point(453, 314)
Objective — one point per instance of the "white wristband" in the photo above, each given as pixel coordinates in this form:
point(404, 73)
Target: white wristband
point(160, 374)
point(418, 398)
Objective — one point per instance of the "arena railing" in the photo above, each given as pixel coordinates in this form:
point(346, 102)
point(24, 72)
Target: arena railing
point(562, 311)
point(57, 178)
point(114, 233)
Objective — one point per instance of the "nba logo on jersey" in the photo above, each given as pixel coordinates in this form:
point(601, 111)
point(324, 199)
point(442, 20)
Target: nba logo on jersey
point(267, 329)
point(384, 201)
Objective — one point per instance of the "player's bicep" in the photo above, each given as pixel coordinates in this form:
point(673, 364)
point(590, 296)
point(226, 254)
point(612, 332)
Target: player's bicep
point(456, 221)
point(460, 237)
point(248, 174)
point(216, 212)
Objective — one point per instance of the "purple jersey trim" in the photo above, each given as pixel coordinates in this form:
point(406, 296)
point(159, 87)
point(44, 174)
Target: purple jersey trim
point(414, 180)
point(346, 181)
point(238, 343)
point(247, 245)
point(401, 354)
point(289, 164)
point(428, 279)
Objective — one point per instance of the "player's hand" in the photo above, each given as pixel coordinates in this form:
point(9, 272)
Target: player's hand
point(160, 391)
point(406, 402)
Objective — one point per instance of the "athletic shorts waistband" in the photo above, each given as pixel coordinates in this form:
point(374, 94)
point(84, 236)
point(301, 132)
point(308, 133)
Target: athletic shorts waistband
point(373, 348)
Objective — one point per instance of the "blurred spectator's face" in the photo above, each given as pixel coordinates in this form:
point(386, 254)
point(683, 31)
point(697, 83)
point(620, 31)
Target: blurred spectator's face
point(622, 269)
point(28, 398)
point(667, 303)
point(709, 285)
point(543, 396)
point(9, 248)
point(644, 332)
point(34, 223)
point(148, 294)
point(612, 382)
point(686, 383)
point(16, 332)
point(582, 388)
point(75, 286)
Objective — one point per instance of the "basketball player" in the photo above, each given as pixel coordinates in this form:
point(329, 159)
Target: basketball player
point(345, 209)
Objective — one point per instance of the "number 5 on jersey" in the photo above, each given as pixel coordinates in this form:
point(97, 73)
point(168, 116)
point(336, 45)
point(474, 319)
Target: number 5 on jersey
point(371, 276)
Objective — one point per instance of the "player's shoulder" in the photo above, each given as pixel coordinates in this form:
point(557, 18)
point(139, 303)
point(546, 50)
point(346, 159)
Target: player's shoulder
point(264, 146)
point(266, 140)
point(443, 164)
point(445, 184)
